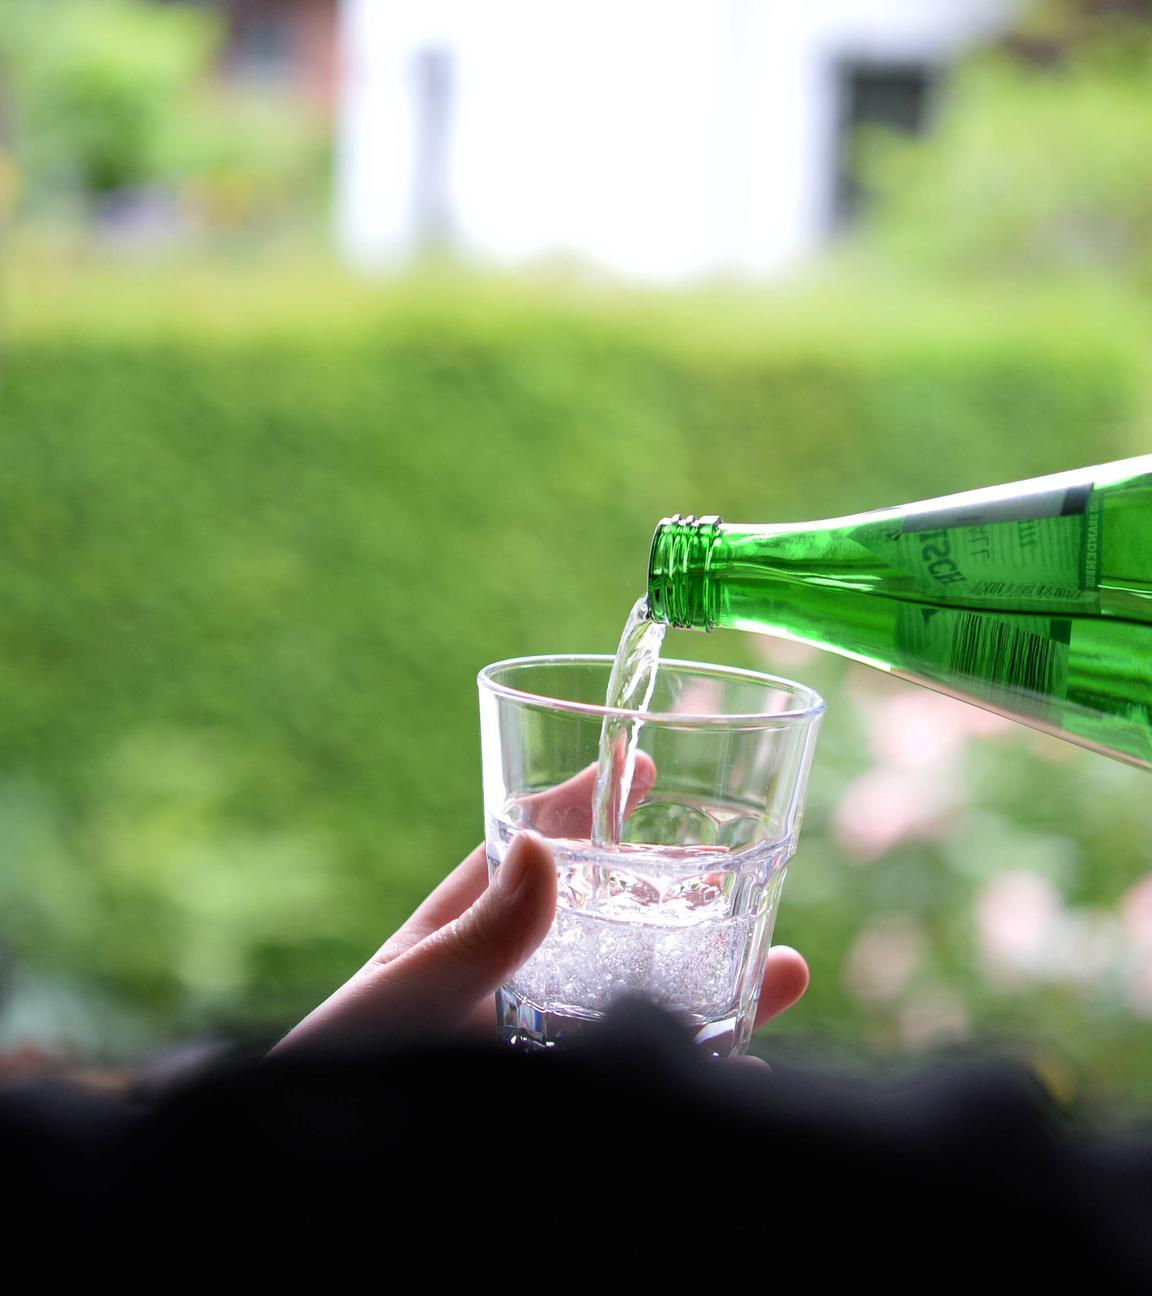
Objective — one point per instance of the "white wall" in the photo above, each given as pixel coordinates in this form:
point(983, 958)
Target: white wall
point(662, 139)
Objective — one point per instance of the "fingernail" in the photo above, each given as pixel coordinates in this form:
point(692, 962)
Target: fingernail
point(509, 877)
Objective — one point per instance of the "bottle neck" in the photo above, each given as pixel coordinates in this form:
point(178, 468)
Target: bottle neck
point(678, 566)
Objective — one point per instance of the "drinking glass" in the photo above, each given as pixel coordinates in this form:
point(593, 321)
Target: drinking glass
point(680, 910)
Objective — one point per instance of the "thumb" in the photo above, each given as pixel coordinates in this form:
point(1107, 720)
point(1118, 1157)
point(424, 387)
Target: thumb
point(439, 981)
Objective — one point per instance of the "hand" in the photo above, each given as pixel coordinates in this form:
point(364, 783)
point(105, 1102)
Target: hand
point(441, 970)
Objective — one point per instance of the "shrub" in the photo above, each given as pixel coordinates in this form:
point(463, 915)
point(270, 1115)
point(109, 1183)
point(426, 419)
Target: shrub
point(253, 567)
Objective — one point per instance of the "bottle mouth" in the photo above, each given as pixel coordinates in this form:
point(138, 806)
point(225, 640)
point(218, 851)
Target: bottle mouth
point(678, 565)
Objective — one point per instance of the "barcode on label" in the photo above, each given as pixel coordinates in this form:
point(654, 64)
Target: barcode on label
point(1015, 589)
point(998, 653)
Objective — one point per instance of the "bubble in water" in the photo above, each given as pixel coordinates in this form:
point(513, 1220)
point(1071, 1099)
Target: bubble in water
point(587, 962)
point(632, 889)
point(645, 928)
point(577, 885)
point(698, 892)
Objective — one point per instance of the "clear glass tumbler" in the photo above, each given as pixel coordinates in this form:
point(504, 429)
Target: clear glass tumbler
point(681, 911)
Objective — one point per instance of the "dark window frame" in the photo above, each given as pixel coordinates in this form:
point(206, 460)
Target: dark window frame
point(852, 77)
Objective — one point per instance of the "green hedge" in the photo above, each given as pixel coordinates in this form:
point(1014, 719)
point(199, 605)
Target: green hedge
point(257, 548)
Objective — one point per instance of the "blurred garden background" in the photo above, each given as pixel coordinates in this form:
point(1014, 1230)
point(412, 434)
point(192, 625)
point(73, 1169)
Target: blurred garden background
point(282, 465)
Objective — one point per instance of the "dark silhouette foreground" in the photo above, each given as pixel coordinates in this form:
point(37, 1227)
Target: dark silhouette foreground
point(466, 1154)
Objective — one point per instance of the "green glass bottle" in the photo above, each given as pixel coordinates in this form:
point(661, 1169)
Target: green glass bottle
point(1032, 599)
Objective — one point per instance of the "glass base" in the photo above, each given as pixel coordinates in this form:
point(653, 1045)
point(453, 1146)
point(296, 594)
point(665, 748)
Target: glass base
point(526, 1025)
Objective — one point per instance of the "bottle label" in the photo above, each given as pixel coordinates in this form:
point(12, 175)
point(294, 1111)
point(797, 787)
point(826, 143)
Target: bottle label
point(1025, 550)
point(1018, 662)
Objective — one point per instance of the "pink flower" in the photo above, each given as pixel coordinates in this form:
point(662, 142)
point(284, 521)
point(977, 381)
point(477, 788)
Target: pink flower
point(887, 806)
point(782, 655)
point(917, 728)
point(1136, 913)
point(934, 1015)
point(1017, 914)
point(883, 958)
point(1027, 933)
point(1136, 919)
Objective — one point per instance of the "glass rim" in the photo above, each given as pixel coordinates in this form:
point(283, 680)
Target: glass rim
point(813, 707)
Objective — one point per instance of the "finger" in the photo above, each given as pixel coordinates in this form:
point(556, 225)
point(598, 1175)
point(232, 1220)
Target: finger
point(566, 810)
point(438, 983)
point(482, 1019)
point(465, 962)
point(562, 811)
point(749, 1062)
point(785, 980)
point(462, 887)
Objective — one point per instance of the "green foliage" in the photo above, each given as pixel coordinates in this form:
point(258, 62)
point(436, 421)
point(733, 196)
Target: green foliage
point(89, 83)
point(260, 536)
point(1033, 166)
point(247, 160)
point(104, 96)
